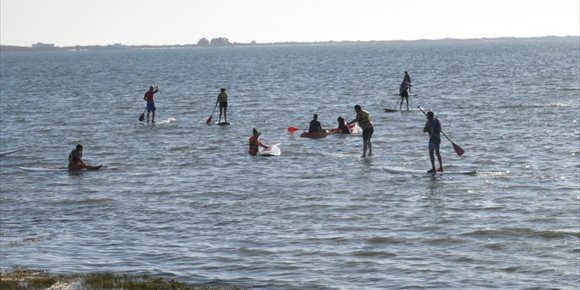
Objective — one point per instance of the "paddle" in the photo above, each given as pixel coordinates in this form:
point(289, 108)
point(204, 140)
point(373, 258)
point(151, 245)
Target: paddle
point(456, 147)
point(142, 116)
point(209, 119)
point(292, 129)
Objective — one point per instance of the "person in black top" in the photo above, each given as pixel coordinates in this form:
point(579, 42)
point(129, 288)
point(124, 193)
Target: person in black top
point(315, 125)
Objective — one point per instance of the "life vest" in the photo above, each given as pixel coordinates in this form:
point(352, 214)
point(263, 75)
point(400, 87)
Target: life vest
point(254, 144)
point(363, 118)
point(72, 157)
point(223, 97)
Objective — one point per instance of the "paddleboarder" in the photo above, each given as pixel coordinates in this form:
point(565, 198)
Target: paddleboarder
point(255, 142)
point(433, 127)
point(148, 97)
point(363, 118)
point(76, 162)
point(315, 125)
point(407, 78)
point(222, 99)
point(342, 126)
point(404, 89)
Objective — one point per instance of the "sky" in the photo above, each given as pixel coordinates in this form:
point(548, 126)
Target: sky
point(166, 22)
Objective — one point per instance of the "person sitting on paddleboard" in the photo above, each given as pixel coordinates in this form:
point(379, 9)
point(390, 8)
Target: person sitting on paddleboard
point(255, 143)
point(363, 118)
point(75, 159)
point(315, 125)
point(342, 126)
point(148, 97)
point(76, 162)
point(433, 127)
point(222, 99)
point(404, 93)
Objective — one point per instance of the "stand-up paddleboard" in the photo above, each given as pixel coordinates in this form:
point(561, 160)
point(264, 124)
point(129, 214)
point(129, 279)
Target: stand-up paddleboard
point(166, 121)
point(65, 169)
point(4, 153)
point(398, 170)
point(273, 150)
point(410, 95)
point(404, 110)
point(223, 123)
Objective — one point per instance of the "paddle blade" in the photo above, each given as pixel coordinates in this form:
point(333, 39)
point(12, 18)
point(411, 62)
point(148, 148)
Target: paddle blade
point(142, 117)
point(292, 129)
point(458, 149)
point(208, 120)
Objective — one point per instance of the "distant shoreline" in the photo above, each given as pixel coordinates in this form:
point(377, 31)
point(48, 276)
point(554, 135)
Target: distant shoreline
point(5, 48)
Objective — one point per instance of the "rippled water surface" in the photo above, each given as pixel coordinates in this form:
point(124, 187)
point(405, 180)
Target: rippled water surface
point(185, 201)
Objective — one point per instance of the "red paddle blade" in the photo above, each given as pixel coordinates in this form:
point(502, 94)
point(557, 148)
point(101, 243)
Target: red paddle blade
point(292, 129)
point(458, 149)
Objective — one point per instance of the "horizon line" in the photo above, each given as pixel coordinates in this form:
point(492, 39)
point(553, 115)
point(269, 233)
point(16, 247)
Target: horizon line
point(52, 45)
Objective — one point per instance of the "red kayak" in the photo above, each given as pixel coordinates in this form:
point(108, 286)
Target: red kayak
point(315, 135)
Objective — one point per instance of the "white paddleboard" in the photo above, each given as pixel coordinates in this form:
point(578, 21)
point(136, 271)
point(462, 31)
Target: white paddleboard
point(167, 121)
point(4, 153)
point(403, 110)
point(223, 123)
point(44, 169)
point(56, 169)
point(398, 170)
point(273, 150)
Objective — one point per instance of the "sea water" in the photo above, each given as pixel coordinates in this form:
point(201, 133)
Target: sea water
point(187, 202)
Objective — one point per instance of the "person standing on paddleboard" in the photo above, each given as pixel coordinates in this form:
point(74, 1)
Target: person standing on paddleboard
point(433, 127)
point(222, 99)
point(407, 78)
point(148, 97)
point(404, 93)
point(255, 143)
point(363, 118)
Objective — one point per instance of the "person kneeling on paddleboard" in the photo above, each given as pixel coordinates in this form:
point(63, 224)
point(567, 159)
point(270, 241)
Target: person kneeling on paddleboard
point(342, 126)
point(433, 127)
point(255, 143)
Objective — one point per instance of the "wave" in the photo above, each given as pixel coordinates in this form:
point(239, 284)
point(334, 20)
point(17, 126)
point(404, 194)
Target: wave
point(523, 232)
point(372, 254)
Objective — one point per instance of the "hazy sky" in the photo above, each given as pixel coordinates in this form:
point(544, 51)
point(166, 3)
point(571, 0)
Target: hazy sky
point(87, 22)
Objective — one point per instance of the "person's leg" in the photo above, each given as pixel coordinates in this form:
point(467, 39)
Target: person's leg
point(370, 146)
point(432, 158)
point(226, 113)
point(407, 99)
point(153, 117)
point(440, 160)
point(364, 149)
point(147, 116)
point(365, 137)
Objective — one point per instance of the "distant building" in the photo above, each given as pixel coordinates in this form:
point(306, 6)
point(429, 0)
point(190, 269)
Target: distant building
point(43, 45)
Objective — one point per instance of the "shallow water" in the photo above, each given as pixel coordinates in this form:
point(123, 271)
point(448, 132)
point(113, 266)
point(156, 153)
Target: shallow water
point(186, 201)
